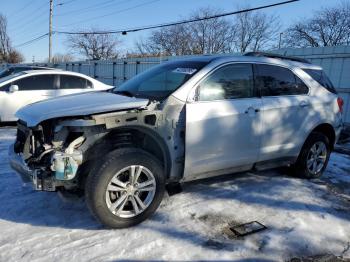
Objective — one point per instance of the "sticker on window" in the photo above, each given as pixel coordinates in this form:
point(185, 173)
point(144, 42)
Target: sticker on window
point(187, 71)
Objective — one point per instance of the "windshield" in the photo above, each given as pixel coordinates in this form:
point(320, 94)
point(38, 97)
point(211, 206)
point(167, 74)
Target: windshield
point(160, 81)
point(6, 72)
point(15, 70)
point(4, 79)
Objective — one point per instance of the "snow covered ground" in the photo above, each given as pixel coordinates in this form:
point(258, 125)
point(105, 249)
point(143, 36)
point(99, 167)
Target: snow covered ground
point(304, 218)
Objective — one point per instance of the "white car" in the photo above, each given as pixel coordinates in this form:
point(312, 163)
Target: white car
point(32, 86)
point(179, 121)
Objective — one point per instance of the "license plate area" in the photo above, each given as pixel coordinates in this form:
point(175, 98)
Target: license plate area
point(41, 183)
point(36, 181)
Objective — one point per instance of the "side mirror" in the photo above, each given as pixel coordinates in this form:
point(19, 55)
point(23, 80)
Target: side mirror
point(13, 88)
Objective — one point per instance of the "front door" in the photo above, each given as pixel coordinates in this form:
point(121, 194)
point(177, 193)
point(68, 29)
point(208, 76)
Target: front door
point(223, 122)
point(30, 89)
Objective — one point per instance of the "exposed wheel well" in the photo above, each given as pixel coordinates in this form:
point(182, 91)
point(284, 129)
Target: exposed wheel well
point(328, 131)
point(142, 138)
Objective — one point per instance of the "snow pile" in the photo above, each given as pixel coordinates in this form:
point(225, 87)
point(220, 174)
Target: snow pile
point(303, 217)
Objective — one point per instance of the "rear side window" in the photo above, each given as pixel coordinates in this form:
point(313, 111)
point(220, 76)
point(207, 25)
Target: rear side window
point(39, 82)
point(74, 82)
point(278, 81)
point(321, 78)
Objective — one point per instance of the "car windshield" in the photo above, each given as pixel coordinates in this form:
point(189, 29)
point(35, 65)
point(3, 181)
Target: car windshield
point(6, 78)
point(6, 72)
point(160, 81)
point(14, 70)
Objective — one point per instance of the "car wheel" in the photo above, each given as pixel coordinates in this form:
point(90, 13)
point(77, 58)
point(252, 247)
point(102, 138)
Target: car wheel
point(314, 156)
point(126, 189)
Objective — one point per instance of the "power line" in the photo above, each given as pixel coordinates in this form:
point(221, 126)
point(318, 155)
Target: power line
point(113, 13)
point(32, 40)
point(35, 17)
point(28, 19)
point(39, 19)
point(65, 3)
point(16, 12)
point(27, 34)
point(92, 7)
point(179, 22)
point(161, 25)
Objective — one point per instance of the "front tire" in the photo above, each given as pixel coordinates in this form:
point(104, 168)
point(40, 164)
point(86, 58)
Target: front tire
point(314, 156)
point(126, 189)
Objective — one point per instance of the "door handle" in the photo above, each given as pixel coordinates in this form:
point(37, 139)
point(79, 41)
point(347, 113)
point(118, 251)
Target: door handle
point(304, 104)
point(251, 110)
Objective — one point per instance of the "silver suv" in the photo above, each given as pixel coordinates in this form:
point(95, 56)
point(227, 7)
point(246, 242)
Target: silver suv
point(179, 121)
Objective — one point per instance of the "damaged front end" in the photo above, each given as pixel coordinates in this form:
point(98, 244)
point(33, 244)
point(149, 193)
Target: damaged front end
point(48, 164)
point(60, 153)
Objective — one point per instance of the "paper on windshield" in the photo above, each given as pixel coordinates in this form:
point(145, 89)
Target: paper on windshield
point(183, 70)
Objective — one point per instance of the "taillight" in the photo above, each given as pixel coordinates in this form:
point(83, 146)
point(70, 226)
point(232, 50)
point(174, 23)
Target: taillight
point(340, 102)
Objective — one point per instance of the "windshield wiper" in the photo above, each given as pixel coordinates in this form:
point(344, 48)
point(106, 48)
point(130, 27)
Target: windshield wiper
point(125, 93)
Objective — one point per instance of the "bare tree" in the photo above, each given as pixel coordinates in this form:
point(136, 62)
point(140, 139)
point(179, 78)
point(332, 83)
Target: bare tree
point(14, 57)
point(5, 46)
point(328, 27)
point(61, 58)
point(94, 46)
point(211, 36)
point(202, 37)
point(174, 40)
point(247, 32)
point(255, 31)
point(7, 53)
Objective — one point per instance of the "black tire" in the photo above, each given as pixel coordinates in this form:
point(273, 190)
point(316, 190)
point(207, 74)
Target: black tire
point(300, 168)
point(101, 175)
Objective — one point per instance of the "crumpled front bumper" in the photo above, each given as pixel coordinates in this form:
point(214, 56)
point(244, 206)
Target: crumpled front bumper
point(29, 175)
point(17, 163)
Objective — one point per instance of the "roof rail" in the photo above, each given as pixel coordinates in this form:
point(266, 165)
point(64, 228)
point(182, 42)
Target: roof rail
point(271, 55)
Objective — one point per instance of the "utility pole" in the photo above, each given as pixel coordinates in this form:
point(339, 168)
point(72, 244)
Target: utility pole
point(50, 31)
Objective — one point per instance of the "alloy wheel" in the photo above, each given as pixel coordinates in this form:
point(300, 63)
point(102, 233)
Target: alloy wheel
point(130, 191)
point(317, 157)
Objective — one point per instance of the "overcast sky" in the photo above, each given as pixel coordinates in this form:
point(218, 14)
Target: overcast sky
point(28, 19)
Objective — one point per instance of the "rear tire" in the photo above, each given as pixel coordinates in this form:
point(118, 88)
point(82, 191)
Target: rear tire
point(126, 188)
point(314, 156)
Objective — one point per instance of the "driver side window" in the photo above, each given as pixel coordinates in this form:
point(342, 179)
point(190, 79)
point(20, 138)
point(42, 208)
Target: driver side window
point(36, 82)
point(228, 82)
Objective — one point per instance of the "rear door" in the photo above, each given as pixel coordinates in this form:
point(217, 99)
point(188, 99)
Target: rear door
point(285, 111)
point(70, 84)
point(30, 89)
point(223, 123)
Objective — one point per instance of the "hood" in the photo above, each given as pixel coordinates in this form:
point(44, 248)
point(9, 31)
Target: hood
point(77, 105)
